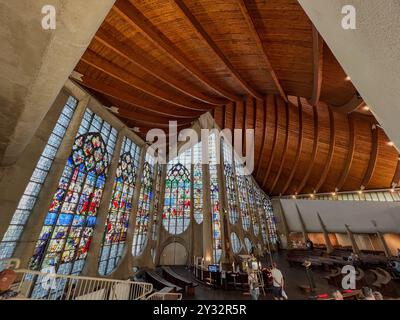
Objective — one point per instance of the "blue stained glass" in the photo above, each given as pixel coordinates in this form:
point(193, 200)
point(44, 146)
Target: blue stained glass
point(50, 219)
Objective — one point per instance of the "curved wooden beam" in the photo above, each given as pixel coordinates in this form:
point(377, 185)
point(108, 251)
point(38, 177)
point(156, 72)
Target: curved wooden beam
point(332, 140)
point(135, 18)
point(373, 157)
point(299, 147)
point(396, 176)
point(114, 71)
point(148, 124)
point(143, 104)
point(273, 143)
point(314, 151)
point(350, 154)
point(202, 34)
point(353, 104)
point(264, 138)
point(139, 60)
point(249, 20)
point(285, 147)
point(318, 56)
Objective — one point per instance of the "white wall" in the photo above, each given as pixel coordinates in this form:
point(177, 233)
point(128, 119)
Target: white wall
point(335, 214)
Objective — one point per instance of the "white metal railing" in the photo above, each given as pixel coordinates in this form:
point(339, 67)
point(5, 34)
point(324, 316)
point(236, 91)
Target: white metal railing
point(164, 296)
point(50, 286)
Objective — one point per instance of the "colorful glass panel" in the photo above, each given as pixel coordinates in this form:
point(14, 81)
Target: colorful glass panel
point(176, 212)
point(66, 235)
point(120, 207)
point(32, 190)
point(144, 206)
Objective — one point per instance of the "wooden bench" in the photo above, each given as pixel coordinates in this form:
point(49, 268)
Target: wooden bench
point(159, 282)
point(179, 280)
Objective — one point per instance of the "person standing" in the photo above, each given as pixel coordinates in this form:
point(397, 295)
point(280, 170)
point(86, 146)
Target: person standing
point(277, 282)
point(253, 284)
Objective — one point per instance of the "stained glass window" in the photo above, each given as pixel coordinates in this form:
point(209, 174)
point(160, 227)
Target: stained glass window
point(248, 245)
point(66, 235)
point(215, 202)
point(120, 207)
point(242, 192)
point(252, 205)
point(144, 204)
point(235, 242)
point(230, 183)
point(197, 183)
point(176, 212)
point(32, 190)
point(261, 215)
point(157, 200)
point(271, 223)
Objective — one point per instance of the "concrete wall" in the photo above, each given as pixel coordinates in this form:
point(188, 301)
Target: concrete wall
point(35, 63)
point(335, 214)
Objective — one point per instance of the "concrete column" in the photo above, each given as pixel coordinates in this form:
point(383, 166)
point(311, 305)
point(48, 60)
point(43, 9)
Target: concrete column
point(14, 179)
point(207, 219)
point(303, 226)
point(93, 256)
point(34, 224)
point(329, 248)
point(383, 243)
point(35, 63)
point(352, 239)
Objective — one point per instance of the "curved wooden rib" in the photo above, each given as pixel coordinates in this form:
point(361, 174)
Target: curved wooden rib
point(396, 176)
point(264, 138)
point(122, 95)
point(278, 174)
point(350, 154)
point(299, 146)
point(373, 157)
point(134, 17)
point(92, 59)
point(249, 20)
point(140, 122)
point(314, 151)
point(204, 35)
point(331, 149)
point(354, 103)
point(318, 49)
point(273, 144)
point(143, 63)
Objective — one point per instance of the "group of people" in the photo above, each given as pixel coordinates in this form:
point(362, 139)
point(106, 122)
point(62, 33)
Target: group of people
point(278, 283)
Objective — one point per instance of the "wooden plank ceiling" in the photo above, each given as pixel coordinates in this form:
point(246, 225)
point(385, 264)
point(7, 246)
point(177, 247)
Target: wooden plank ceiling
point(253, 64)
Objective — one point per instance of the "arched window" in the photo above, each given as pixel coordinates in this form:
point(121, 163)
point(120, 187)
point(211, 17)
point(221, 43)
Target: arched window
point(120, 207)
point(242, 192)
point(66, 235)
point(197, 183)
point(235, 242)
point(248, 244)
point(32, 190)
point(176, 213)
point(252, 205)
point(215, 204)
point(230, 183)
point(144, 204)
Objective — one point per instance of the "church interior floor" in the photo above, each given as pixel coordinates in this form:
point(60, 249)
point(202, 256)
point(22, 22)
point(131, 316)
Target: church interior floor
point(294, 276)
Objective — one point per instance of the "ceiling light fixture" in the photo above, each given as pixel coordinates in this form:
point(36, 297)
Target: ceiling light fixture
point(347, 78)
point(390, 143)
point(366, 108)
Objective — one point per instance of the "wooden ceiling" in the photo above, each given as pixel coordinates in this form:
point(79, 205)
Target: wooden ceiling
point(253, 64)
